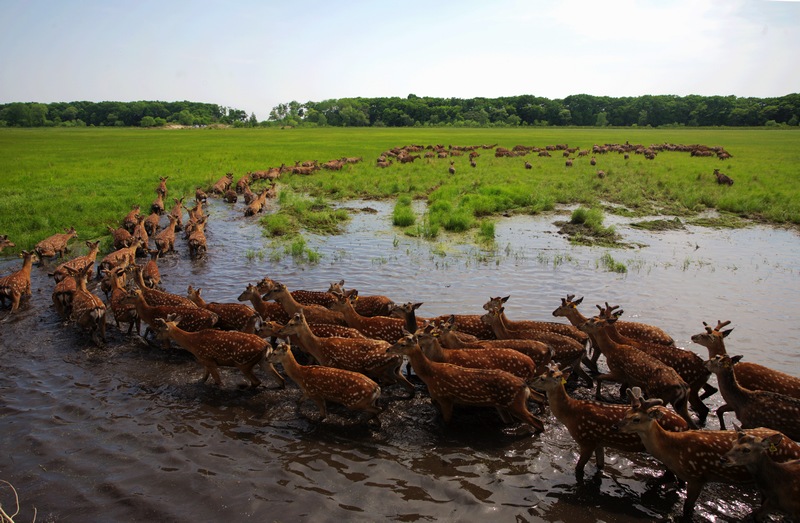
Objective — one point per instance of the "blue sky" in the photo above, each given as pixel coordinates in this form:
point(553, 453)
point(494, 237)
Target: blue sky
point(253, 55)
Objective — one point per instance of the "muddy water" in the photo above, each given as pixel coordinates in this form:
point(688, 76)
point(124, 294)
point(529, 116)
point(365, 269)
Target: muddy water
point(125, 433)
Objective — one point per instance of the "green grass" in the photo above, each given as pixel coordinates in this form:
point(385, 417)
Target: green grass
point(55, 178)
point(608, 263)
point(403, 215)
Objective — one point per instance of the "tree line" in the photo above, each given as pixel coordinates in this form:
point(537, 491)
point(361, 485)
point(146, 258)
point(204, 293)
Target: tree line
point(120, 114)
point(512, 111)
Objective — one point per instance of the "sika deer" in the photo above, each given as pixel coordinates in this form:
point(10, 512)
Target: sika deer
point(140, 232)
point(541, 326)
point(314, 313)
point(5, 242)
point(88, 311)
point(378, 327)
point(324, 299)
point(257, 205)
point(749, 375)
point(55, 245)
point(232, 316)
point(272, 329)
point(215, 348)
point(693, 455)
point(366, 356)
point(753, 408)
point(689, 366)
point(122, 312)
point(592, 424)
point(375, 305)
point(161, 190)
point(130, 220)
point(268, 311)
point(508, 360)
point(223, 184)
point(407, 313)
point(779, 483)
point(17, 284)
point(78, 263)
point(450, 385)
point(566, 351)
point(152, 223)
point(193, 318)
point(158, 205)
point(630, 366)
point(62, 296)
point(177, 213)
point(197, 239)
point(122, 238)
point(165, 240)
point(540, 353)
point(121, 258)
point(157, 297)
point(321, 384)
point(150, 274)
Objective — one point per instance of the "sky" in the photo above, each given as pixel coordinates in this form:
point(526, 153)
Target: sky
point(255, 54)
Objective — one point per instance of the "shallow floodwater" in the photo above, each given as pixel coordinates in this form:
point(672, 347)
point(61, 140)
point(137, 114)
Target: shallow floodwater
point(125, 433)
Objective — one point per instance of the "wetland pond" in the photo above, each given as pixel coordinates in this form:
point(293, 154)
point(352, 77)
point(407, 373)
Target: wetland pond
point(126, 432)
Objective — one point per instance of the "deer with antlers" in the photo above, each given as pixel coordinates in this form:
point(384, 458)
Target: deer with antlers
point(753, 408)
point(322, 384)
point(450, 385)
point(303, 297)
point(5, 242)
point(749, 375)
point(539, 326)
point(192, 318)
point(693, 455)
point(268, 310)
point(313, 313)
point(592, 424)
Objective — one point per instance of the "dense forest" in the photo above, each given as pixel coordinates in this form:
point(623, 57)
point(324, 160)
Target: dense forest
point(512, 111)
point(120, 114)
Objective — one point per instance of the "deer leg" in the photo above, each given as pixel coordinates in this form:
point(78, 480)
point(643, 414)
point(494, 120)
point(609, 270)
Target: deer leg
point(698, 406)
point(721, 415)
point(583, 459)
point(323, 408)
point(247, 370)
point(600, 458)
point(446, 408)
point(693, 489)
point(709, 390)
point(265, 365)
point(215, 374)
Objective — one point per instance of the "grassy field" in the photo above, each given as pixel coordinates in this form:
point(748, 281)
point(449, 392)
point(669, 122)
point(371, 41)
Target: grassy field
point(90, 178)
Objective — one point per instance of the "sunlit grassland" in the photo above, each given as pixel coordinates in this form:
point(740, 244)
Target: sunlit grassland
point(54, 178)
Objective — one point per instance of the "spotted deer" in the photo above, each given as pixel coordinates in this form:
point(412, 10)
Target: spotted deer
point(303, 297)
point(17, 284)
point(55, 245)
point(157, 206)
point(450, 385)
point(694, 455)
point(408, 313)
point(540, 353)
point(313, 313)
point(132, 218)
point(88, 311)
point(157, 297)
point(366, 356)
point(753, 408)
point(749, 375)
point(192, 318)
point(63, 292)
point(592, 424)
point(161, 190)
point(630, 366)
point(689, 366)
point(508, 360)
point(79, 262)
point(566, 350)
point(232, 316)
point(197, 239)
point(779, 483)
point(177, 213)
point(257, 205)
point(374, 305)
point(150, 273)
point(223, 184)
point(125, 313)
point(122, 238)
point(152, 223)
point(376, 327)
point(5, 242)
point(215, 348)
point(322, 384)
point(121, 258)
point(269, 311)
point(165, 239)
point(272, 329)
point(544, 326)
point(140, 232)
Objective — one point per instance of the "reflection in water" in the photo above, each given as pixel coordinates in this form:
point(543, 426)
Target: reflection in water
point(126, 432)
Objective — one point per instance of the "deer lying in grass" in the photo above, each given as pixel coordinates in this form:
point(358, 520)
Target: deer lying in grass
point(749, 375)
point(5, 242)
point(753, 408)
point(592, 424)
point(322, 384)
point(78, 263)
point(55, 245)
point(232, 316)
point(693, 455)
point(450, 385)
point(215, 348)
point(779, 483)
point(17, 284)
point(88, 311)
point(366, 356)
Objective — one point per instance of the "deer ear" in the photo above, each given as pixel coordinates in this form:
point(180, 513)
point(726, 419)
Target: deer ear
point(726, 332)
point(416, 306)
point(772, 441)
point(735, 359)
point(503, 300)
point(655, 413)
point(578, 301)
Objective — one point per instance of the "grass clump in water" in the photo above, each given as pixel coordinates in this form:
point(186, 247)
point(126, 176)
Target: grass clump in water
point(486, 231)
point(403, 215)
point(611, 265)
point(585, 227)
